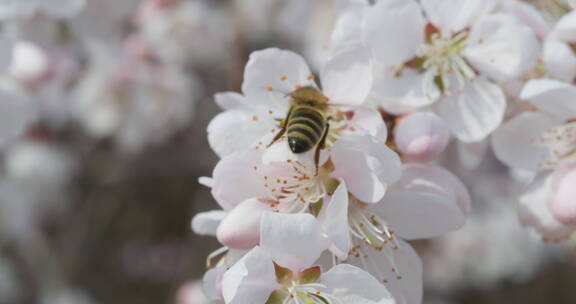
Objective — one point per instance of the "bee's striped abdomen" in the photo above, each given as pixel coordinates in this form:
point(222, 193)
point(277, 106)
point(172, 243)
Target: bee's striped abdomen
point(304, 128)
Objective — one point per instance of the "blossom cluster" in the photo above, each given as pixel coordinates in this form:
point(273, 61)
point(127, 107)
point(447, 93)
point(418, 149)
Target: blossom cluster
point(401, 78)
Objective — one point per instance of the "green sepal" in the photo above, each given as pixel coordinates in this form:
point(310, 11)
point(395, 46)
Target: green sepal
point(316, 207)
point(309, 275)
point(331, 185)
point(283, 275)
point(276, 297)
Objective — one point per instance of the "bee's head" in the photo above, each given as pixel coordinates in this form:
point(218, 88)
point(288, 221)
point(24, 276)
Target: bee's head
point(308, 93)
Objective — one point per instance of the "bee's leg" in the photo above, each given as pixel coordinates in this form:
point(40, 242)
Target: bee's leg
point(279, 134)
point(321, 145)
point(282, 129)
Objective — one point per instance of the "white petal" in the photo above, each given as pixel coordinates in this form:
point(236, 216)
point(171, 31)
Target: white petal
point(551, 96)
point(407, 290)
point(565, 29)
point(475, 112)
point(514, 143)
point(347, 77)
point(369, 121)
point(251, 280)
point(345, 279)
point(409, 90)
point(403, 277)
point(206, 181)
point(206, 223)
point(534, 208)
point(294, 241)
point(387, 26)
point(559, 59)
point(347, 30)
point(210, 282)
point(430, 201)
point(453, 16)
point(367, 165)
point(235, 180)
point(237, 130)
point(240, 229)
point(501, 47)
point(334, 221)
point(529, 15)
point(229, 100)
point(272, 73)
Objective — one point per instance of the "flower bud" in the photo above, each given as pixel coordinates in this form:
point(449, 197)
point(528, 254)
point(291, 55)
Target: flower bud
point(421, 136)
point(563, 203)
point(30, 64)
point(240, 229)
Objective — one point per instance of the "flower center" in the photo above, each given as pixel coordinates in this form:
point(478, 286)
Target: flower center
point(445, 66)
point(370, 235)
point(561, 144)
point(297, 293)
point(294, 185)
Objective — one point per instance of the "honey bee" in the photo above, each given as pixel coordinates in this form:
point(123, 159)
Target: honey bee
point(306, 124)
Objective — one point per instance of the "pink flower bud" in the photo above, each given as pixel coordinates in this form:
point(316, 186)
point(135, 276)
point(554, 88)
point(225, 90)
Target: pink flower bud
point(563, 204)
point(240, 229)
point(421, 136)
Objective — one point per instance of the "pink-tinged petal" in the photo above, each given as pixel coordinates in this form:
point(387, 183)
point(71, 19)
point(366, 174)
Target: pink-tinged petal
point(295, 241)
point(206, 223)
point(212, 283)
point(334, 221)
point(345, 279)
point(565, 29)
point(501, 47)
point(534, 209)
point(551, 96)
point(409, 91)
point(369, 121)
point(237, 130)
point(251, 280)
point(235, 179)
point(240, 229)
point(564, 200)
point(559, 59)
point(229, 100)
point(515, 142)
point(529, 15)
point(272, 73)
point(347, 77)
point(475, 112)
point(421, 136)
point(16, 113)
point(388, 24)
point(453, 16)
point(367, 166)
point(428, 201)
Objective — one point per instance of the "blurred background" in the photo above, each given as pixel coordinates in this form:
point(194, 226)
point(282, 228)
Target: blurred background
point(98, 190)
